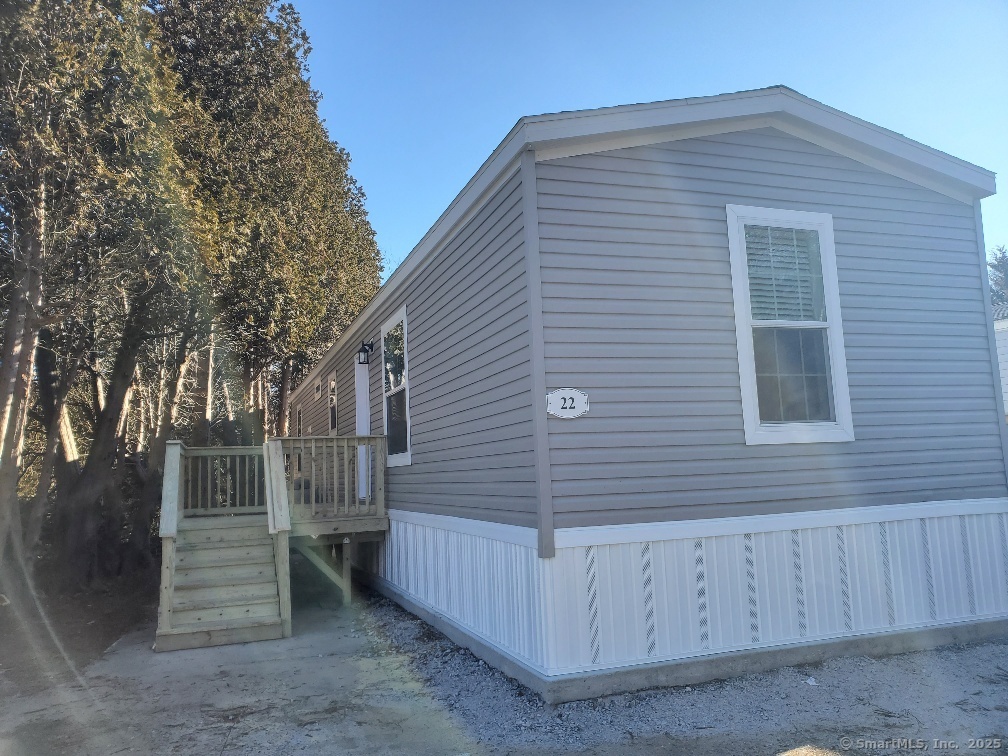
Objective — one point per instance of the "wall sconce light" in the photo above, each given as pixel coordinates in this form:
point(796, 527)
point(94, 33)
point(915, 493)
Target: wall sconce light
point(366, 347)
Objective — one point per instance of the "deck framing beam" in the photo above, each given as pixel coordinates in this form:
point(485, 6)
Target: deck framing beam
point(342, 579)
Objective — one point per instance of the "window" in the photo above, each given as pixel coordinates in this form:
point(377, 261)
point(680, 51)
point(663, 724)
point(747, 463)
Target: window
point(395, 369)
point(788, 327)
point(318, 389)
point(332, 405)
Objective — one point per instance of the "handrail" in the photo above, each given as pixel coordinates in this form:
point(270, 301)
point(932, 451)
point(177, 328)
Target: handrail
point(278, 515)
point(223, 480)
point(277, 503)
point(171, 507)
point(171, 490)
point(332, 476)
point(216, 451)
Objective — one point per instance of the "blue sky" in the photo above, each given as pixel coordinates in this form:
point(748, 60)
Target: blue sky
point(421, 93)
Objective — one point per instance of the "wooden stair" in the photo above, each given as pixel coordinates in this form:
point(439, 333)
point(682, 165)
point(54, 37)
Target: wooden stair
point(221, 585)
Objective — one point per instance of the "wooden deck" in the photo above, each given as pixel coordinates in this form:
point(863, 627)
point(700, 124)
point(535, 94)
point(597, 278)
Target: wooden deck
point(230, 515)
point(335, 485)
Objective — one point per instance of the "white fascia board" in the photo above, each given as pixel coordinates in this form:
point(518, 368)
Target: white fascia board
point(891, 143)
point(556, 149)
point(565, 135)
point(586, 131)
point(621, 118)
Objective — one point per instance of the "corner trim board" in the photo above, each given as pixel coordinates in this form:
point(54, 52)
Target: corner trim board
point(540, 427)
point(991, 337)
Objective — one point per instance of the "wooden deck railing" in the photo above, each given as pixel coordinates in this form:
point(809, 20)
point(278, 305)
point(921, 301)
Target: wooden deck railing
point(223, 480)
point(335, 477)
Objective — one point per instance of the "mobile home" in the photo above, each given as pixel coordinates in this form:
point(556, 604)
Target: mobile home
point(678, 390)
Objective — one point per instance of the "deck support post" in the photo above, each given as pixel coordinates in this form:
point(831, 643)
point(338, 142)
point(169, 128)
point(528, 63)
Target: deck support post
point(167, 583)
point(347, 572)
point(281, 553)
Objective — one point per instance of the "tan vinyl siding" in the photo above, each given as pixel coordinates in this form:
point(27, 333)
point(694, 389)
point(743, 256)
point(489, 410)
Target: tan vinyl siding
point(638, 312)
point(469, 382)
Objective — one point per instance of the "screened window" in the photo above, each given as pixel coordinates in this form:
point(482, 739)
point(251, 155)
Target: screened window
point(791, 361)
point(395, 370)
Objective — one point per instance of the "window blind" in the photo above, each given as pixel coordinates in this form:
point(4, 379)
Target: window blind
point(785, 274)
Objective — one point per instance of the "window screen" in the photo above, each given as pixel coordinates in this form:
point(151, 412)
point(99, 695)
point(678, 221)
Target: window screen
point(792, 362)
point(396, 379)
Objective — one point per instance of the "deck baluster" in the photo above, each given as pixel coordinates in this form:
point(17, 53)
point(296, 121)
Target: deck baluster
point(367, 475)
point(346, 475)
point(311, 486)
point(291, 471)
point(336, 477)
point(325, 475)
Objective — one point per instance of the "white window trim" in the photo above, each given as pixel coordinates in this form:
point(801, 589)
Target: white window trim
point(406, 457)
point(334, 392)
point(788, 433)
point(318, 390)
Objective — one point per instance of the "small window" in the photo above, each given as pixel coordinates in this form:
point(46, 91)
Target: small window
point(318, 389)
point(298, 422)
point(395, 369)
point(788, 327)
point(332, 406)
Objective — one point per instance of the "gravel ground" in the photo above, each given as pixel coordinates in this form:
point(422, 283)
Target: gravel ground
point(952, 694)
point(373, 679)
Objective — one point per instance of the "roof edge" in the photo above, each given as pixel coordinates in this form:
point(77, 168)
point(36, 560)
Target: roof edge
point(775, 105)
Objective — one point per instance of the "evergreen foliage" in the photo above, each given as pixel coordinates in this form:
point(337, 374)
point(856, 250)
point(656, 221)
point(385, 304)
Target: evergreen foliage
point(179, 236)
point(997, 271)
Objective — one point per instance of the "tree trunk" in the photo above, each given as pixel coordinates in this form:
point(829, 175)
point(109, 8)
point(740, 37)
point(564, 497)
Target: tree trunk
point(98, 477)
point(68, 440)
point(283, 403)
point(173, 377)
point(17, 360)
point(204, 396)
point(37, 505)
point(10, 464)
point(142, 424)
point(264, 405)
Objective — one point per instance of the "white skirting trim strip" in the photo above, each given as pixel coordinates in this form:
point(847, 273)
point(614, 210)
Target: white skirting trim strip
point(604, 605)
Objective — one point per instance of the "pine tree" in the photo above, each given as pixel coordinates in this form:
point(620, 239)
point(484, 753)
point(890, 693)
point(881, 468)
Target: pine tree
point(299, 256)
point(997, 269)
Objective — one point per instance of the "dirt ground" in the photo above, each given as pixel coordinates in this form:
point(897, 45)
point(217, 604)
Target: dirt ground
point(373, 679)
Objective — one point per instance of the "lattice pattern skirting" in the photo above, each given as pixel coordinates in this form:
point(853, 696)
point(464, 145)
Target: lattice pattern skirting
point(608, 605)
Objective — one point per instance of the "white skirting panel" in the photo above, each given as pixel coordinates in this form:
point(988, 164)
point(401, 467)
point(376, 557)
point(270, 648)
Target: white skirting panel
point(626, 595)
point(484, 577)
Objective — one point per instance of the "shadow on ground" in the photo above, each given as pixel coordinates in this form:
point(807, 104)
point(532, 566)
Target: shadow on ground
point(371, 678)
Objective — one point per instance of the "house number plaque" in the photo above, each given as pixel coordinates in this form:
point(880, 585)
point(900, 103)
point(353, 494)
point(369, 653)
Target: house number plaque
point(567, 403)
